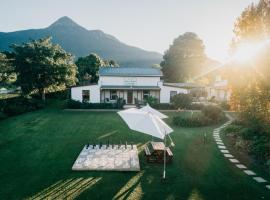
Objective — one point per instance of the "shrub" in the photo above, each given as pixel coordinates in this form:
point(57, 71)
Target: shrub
point(260, 148)
point(72, 104)
point(196, 106)
point(232, 129)
point(151, 100)
point(193, 121)
point(164, 106)
point(213, 112)
point(2, 116)
point(182, 101)
point(19, 105)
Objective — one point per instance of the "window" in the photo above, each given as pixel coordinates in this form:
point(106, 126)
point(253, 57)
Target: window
point(113, 95)
point(86, 95)
point(172, 93)
point(146, 94)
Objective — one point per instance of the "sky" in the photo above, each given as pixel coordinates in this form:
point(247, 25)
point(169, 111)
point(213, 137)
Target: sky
point(148, 24)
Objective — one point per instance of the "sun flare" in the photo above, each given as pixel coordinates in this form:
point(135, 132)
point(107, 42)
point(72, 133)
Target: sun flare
point(248, 51)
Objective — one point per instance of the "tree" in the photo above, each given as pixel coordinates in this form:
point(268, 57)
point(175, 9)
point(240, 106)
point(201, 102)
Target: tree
point(41, 65)
point(7, 74)
point(184, 59)
point(88, 68)
point(110, 63)
point(251, 85)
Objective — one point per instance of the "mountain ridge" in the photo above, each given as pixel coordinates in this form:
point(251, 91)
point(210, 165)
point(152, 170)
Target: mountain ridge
point(81, 42)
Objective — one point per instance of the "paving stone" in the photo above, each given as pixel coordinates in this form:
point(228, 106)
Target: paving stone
point(259, 179)
point(234, 160)
point(249, 172)
point(224, 151)
point(227, 155)
point(268, 187)
point(218, 140)
point(221, 143)
point(221, 147)
point(240, 166)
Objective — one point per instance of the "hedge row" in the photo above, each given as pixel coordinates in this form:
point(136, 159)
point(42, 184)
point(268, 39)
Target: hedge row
point(72, 104)
point(209, 115)
point(18, 105)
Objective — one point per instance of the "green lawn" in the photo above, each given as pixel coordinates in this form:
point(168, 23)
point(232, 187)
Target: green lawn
point(37, 151)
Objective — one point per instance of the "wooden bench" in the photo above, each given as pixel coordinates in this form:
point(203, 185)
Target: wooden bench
point(154, 153)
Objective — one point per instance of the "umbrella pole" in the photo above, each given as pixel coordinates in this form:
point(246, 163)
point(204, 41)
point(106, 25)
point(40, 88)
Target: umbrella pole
point(164, 170)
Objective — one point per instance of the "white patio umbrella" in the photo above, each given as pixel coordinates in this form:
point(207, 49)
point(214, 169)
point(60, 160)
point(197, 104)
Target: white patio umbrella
point(148, 108)
point(147, 123)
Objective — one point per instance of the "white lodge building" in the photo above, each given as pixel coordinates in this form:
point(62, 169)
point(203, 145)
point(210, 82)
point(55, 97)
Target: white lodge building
point(131, 84)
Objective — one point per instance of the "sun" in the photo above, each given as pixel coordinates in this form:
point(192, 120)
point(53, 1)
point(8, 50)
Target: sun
point(246, 52)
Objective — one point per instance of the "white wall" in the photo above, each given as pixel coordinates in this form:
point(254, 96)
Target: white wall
point(165, 93)
point(140, 81)
point(76, 93)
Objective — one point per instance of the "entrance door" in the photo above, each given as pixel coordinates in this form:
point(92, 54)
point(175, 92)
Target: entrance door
point(129, 96)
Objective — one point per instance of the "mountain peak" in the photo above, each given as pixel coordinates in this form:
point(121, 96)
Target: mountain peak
point(64, 21)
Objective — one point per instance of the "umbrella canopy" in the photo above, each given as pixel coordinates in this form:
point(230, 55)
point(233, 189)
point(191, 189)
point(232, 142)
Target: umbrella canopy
point(148, 108)
point(145, 122)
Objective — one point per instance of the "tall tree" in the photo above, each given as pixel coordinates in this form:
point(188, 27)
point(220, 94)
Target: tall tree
point(41, 65)
point(251, 85)
point(7, 74)
point(110, 63)
point(184, 59)
point(88, 68)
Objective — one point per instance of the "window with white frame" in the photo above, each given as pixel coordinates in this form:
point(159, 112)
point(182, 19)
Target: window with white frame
point(113, 95)
point(85, 95)
point(146, 94)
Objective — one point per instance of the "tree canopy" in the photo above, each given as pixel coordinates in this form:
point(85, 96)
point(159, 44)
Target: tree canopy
point(88, 68)
point(184, 58)
point(250, 81)
point(7, 74)
point(41, 65)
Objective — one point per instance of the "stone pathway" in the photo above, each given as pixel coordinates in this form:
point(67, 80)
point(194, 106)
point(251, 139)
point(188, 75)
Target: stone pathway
point(223, 149)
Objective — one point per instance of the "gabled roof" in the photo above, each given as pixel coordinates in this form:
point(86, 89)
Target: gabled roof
point(128, 71)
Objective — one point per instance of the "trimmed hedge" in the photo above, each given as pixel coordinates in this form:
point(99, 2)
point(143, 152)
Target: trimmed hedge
point(210, 115)
point(72, 104)
point(164, 106)
point(19, 105)
point(194, 121)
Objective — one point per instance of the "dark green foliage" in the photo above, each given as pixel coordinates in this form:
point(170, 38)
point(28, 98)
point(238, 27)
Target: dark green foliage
point(213, 112)
point(196, 106)
point(182, 101)
point(72, 104)
point(19, 105)
point(232, 129)
point(2, 116)
point(209, 115)
point(7, 74)
point(258, 141)
point(193, 121)
point(184, 59)
point(80, 42)
point(42, 66)
point(164, 106)
point(260, 149)
point(151, 100)
point(88, 68)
